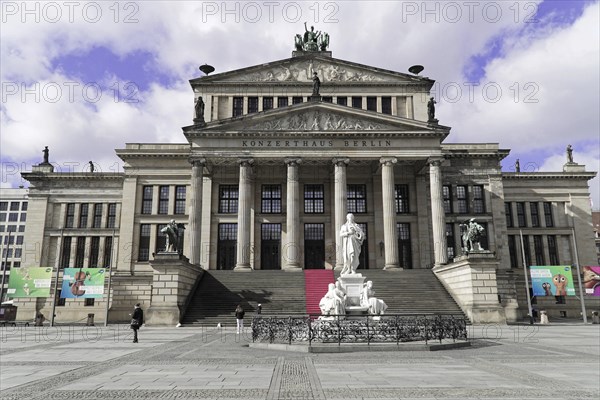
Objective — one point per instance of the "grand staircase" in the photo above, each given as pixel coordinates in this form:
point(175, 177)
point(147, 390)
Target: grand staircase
point(283, 293)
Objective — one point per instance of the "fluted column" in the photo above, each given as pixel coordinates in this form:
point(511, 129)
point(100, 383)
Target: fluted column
point(390, 233)
point(243, 224)
point(292, 248)
point(438, 219)
point(340, 195)
point(195, 210)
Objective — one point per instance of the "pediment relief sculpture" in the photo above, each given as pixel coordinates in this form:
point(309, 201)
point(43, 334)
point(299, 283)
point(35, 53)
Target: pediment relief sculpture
point(318, 121)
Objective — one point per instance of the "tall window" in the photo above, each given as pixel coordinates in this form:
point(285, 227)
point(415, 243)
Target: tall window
point(163, 200)
point(179, 200)
point(24, 206)
point(94, 251)
point(108, 245)
point(238, 106)
point(271, 199)
point(478, 199)
point(512, 250)
point(357, 101)
point(521, 214)
point(538, 247)
point(147, 200)
point(228, 199)
point(447, 195)
point(357, 199)
point(461, 199)
point(548, 214)
point(282, 102)
point(404, 246)
point(553, 250)
point(14, 206)
point(3, 205)
point(161, 239)
point(70, 218)
point(83, 215)
point(508, 213)
point(144, 243)
point(252, 104)
point(386, 105)
point(112, 215)
point(450, 243)
point(342, 100)
point(527, 250)
point(372, 103)
point(267, 103)
point(297, 99)
point(97, 221)
point(535, 217)
point(484, 240)
point(80, 252)
point(401, 193)
point(314, 199)
point(65, 253)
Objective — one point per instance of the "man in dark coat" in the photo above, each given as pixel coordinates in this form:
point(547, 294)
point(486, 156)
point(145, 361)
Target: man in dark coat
point(137, 319)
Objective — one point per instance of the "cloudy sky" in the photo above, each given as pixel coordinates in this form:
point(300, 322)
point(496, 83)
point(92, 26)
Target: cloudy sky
point(85, 78)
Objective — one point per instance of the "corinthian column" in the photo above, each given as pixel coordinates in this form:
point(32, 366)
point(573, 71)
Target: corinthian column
point(390, 234)
point(195, 210)
point(438, 219)
point(243, 224)
point(292, 248)
point(340, 194)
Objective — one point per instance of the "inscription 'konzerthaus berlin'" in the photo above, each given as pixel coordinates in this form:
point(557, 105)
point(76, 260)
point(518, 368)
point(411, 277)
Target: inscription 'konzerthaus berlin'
point(316, 143)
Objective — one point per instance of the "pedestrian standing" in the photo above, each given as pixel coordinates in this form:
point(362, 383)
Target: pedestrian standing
point(239, 316)
point(259, 309)
point(137, 319)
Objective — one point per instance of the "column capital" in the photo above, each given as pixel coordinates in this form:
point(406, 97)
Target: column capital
point(293, 161)
point(435, 161)
point(388, 160)
point(197, 162)
point(245, 162)
point(341, 161)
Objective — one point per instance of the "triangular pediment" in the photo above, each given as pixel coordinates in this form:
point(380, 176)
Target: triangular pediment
point(299, 69)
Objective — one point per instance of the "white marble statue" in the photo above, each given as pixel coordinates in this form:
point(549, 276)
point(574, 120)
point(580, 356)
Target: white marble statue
point(367, 299)
point(352, 238)
point(333, 302)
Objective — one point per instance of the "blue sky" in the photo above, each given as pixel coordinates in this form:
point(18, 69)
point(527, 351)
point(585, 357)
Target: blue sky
point(85, 81)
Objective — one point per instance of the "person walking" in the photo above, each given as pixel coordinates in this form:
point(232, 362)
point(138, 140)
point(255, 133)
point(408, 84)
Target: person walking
point(239, 316)
point(137, 319)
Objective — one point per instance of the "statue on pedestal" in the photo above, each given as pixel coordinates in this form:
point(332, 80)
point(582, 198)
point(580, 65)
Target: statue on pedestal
point(471, 236)
point(172, 232)
point(199, 108)
point(569, 154)
point(46, 153)
point(431, 109)
point(517, 166)
point(352, 237)
point(311, 40)
point(316, 84)
point(367, 299)
point(333, 302)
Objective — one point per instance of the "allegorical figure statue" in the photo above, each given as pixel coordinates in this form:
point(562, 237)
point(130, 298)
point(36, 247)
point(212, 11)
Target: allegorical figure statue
point(352, 237)
point(316, 84)
point(310, 38)
point(46, 154)
point(517, 166)
point(333, 302)
point(368, 299)
point(471, 236)
point(569, 154)
point(199, 107)
point(171, 232)
point(92, 168)
point(431, 109)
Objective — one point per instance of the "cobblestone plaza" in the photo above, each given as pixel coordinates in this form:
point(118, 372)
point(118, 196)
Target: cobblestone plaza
point(504, 362)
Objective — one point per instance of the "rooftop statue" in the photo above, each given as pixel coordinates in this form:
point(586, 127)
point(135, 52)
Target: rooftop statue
point(569, 154)
point(46, 153)
point(199, 108)
point(311, 40)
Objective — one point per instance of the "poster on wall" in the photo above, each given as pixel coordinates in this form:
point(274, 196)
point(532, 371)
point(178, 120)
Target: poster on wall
point(552, 281)
point(591, 280)
point(29, 282)
point(83, 283)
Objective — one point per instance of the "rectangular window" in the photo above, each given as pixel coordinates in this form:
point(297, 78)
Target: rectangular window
point(60, 301)
point(478, 199)
point(3, 205)
point(238, 106)
point(147, 200)
point(252, 104)
point(267, 103)
point(9, 240)
point(535, 217)
point(327, 99)
point(357, 199)
point(23, 217)
point(97, 221)
point(228, 199)
point(83, 215)
point(108, 244)
point(65, 257)
point(24, 206)
point(271, 199)
point(144, 243)
point(450, 243)
point(447, 195)
point(180, 199)
point(512, 250)
point(508, 213)
point(70, 218)
point(342, 101)
point(163, 199)
point(527, 250)
point(553, 250)
point(548, 215)
point(18, 252)
point(386, 105)
point(314, 199)
point(94, 251)
point(401, 193)
point(538, 247)
point(13, 217)
point(19, 240)
point(161, 239)
point(2, 217)
point(14, 206)
point(80, 252)
point(521, 214)
point(112, 215)
point(297, 99)
point(461, 199)
point(372, 103)
point(483, 240)
point(404, 245)
point(357, 101)
point(282, 102)
point(89, 302)
point(21, 228)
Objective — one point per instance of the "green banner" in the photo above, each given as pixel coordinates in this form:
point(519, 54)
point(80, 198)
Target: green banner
point(29, 282)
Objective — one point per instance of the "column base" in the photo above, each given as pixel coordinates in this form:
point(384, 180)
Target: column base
point(242, 268)
point(392, 267)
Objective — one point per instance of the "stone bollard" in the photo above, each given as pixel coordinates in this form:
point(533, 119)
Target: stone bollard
point(543, 318)
point(595, 317)
point(90, 320)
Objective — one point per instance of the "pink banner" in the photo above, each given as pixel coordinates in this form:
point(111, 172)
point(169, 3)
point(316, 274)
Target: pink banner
point(591, 280)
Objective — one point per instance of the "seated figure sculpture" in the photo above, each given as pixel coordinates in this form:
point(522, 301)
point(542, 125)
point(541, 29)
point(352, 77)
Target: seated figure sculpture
point(333, 302)
point(367, 299)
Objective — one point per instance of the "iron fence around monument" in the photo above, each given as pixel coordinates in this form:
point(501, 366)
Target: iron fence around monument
point(359, 329)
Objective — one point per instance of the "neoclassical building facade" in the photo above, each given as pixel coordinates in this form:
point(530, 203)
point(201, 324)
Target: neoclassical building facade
point(267, 172)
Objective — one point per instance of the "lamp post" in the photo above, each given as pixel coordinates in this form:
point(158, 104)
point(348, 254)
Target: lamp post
point(108, 268)
point(7, 249)
point(531, 320)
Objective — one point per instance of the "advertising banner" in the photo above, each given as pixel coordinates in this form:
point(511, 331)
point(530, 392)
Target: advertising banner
point(29, 282)
point(552, 281)
point(591, 280)
point(83, 283)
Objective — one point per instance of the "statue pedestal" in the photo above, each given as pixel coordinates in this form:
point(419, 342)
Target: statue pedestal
point(315, 97)
point(352, 285)
point(199, 121)
point(573, 167)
